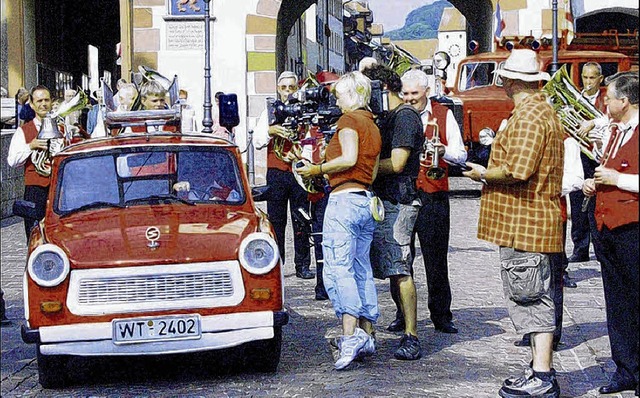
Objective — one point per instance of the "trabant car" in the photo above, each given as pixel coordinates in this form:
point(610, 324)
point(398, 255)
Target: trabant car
point(479, 102)
point(151, 244)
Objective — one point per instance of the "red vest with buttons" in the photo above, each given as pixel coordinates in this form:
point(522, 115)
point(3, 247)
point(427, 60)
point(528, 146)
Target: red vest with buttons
point(615, 207)
point(423, 182)
point(31, 177)
point(272, 160)
point(600, 105)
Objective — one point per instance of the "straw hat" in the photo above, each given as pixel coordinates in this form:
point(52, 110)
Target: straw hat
point(523, 65)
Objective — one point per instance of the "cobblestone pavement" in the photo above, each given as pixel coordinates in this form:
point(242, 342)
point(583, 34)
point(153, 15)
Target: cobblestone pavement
point(472, 363)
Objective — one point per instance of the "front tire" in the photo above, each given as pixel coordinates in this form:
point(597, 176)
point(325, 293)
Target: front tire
point(263, 356)
point(52, 370)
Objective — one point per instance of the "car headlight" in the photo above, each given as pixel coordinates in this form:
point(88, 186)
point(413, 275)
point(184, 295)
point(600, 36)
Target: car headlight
point(259, 253)
point(486, 136)
point(48, 265)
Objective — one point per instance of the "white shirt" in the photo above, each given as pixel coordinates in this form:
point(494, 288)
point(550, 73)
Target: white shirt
point(454, 150)
point(626, 182)
point(261, 136)
point(19, 150)
point(573, 173)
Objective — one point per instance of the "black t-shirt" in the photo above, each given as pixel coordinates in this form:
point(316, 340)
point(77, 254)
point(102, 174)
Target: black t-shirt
point(400, 128)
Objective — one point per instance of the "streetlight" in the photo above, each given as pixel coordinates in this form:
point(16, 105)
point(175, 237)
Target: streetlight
point(207, 121)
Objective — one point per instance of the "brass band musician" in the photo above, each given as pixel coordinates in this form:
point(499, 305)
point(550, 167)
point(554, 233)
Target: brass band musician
point(283, 188)
point(23, 143)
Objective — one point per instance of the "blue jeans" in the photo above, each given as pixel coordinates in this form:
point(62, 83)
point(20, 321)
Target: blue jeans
point(346, 241)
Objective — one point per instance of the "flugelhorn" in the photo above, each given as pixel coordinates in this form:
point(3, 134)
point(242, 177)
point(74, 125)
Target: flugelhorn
point(434, 171)
point(573, 109)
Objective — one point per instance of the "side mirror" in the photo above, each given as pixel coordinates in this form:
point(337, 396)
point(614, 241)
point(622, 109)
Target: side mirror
point(441, 60)
point(260, 193)
point(26, 209)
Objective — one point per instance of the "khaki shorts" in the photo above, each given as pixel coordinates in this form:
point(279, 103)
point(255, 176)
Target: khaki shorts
point(526, 279)
point(391, 247)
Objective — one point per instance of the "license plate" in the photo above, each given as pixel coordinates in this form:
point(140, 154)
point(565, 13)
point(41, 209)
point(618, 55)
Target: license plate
point(137, 330)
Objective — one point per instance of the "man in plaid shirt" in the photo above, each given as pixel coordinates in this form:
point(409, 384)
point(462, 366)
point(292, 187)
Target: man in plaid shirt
point(520, 212)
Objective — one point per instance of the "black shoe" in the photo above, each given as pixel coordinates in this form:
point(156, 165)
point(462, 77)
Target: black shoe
point(409, 348)
point(568, 282)
point(305, 273)
point(578, 259)
point(448, 327)
point(321, 296)
point(525, 342)
point(397, 325)
point(617, 386)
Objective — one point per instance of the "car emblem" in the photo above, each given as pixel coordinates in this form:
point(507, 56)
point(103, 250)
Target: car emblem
point(152, 234)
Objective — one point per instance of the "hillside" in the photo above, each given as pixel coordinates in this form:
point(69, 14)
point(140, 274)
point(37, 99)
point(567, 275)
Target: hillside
point(421, 23)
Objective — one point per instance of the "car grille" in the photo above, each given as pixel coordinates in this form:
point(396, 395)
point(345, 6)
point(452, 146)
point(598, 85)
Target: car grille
point(159, 287)
point(155, 288)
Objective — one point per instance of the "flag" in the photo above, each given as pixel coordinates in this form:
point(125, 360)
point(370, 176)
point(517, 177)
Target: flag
point(500, 25)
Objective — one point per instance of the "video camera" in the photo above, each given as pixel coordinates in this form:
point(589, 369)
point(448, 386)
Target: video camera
point(317, 106)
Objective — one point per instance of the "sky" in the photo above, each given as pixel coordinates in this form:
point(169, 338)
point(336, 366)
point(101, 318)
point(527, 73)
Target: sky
point(392, 13)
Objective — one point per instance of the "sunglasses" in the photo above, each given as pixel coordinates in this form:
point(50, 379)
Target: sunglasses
point(290, 87)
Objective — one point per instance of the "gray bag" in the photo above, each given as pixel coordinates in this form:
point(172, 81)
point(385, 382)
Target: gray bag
point(527, 278)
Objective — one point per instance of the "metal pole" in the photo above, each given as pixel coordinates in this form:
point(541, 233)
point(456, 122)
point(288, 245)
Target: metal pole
point(554, 28)
point(207, 120)
point(250, 159)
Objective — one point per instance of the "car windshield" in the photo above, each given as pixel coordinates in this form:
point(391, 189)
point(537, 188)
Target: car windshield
point(126, 178)
point(476, 74)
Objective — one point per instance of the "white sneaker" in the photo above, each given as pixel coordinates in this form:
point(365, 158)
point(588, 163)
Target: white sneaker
point(350, 348)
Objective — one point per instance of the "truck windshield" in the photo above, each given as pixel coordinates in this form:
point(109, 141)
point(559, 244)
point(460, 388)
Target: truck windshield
point(122, 179)
point(476, 74)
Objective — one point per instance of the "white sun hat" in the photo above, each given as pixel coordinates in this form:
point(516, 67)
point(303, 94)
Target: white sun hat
point(523, 65)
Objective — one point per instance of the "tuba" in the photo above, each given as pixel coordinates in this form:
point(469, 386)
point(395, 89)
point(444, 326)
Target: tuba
point(573, 109)
point(434, 171)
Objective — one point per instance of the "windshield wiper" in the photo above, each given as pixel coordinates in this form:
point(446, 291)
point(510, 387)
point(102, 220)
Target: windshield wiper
point(170, 197)
point(93, 205)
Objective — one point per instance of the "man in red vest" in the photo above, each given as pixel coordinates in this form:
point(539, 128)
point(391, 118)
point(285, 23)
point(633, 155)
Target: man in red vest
point(432, 225)
point(283, 188)
point(583, 225)
point(23, 143)
point(615, 186)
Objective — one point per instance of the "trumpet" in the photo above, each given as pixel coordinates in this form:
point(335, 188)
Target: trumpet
point(434, 171)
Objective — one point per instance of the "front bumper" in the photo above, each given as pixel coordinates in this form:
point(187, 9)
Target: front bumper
point(95, 339)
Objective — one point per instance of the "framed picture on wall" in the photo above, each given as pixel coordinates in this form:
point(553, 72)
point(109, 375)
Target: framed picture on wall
point(185, 8)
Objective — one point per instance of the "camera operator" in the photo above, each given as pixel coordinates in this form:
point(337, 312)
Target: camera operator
point(391, 256)
point(283, 188)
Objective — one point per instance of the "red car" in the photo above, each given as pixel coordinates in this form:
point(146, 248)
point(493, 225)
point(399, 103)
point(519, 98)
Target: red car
point(151, 244)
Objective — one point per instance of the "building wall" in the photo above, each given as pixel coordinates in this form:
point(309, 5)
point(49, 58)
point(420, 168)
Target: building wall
point(11, 180)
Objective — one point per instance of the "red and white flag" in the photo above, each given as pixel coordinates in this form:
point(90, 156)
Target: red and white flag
point(500, 25)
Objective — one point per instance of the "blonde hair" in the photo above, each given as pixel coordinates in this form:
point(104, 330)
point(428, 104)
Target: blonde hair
point(354, 89)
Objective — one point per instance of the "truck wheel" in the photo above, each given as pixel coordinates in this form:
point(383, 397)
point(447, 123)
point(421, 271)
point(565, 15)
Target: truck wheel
point(263, 356)
point(52, 370)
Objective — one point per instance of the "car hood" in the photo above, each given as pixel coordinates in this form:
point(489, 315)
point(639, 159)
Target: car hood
point(118, 237)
